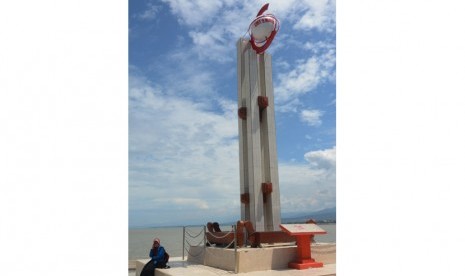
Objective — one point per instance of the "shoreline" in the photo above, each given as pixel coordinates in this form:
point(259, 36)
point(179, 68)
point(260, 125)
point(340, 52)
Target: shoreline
point(319, 222)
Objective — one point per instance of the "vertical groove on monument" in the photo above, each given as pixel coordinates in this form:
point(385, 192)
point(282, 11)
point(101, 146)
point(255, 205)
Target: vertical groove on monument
point(264, 146)
point(275, 203)
point(242, 80)
point(254, 149)
point(257, 140)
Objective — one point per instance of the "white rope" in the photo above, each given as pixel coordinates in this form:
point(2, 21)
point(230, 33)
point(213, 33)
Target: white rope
point(190, 235)
point(220, 237)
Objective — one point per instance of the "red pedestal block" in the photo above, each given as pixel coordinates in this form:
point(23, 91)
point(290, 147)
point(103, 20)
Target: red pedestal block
point(303, 234)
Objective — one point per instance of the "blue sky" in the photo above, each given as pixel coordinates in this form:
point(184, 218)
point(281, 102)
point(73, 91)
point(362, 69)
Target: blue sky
point(183, 137)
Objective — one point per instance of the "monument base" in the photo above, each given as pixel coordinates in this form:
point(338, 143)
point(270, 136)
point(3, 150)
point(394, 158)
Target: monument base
point(260, 259)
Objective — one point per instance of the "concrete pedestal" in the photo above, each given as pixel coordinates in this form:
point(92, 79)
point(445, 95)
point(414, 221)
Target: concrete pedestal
point(274, 258)
point(259, 259)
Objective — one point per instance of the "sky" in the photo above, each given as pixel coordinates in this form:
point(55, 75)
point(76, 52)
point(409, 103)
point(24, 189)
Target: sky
point(183, 125)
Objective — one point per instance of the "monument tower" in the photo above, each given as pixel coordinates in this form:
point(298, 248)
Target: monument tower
point(260, 197)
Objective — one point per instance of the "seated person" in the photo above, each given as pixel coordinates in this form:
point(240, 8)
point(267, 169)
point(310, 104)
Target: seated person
point(159, 259)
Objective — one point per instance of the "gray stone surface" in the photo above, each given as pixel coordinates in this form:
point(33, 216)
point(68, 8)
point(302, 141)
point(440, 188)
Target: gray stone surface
point(257, 139)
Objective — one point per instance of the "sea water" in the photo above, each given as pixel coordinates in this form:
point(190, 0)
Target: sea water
point(171, 238)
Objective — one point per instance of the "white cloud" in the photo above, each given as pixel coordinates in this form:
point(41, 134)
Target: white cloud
point(194, 12)
point(322, 159)
point(185, 156)
point(215, 26)
point(290, 106)
point(149, 13)
point(211, 45)
point(190, 79)
point(198, 203)
point(319, 15)
point(216, 39)
point(309, 187)
point(300, 80)
point(303, 14)
point(305, 77)
point(178, 149)
point(311, 117)
point(319, 47)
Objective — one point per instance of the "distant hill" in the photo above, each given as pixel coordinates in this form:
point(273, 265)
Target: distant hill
point(325, 215)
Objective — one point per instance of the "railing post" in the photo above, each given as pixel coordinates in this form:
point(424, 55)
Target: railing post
point(204, 236)
point(183, 241)
point(204, 244)
point(236, 268)
point(246, 237)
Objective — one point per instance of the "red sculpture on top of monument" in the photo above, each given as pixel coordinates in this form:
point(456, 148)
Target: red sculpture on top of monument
point(262, 30)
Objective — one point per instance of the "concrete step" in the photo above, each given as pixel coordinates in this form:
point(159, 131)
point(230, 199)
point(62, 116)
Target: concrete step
point(183, 268)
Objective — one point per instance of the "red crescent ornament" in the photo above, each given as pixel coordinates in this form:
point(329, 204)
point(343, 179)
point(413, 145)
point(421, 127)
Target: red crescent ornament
point(262, 30)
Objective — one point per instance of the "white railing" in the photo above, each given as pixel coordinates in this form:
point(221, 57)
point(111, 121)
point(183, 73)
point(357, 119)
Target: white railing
point(198, 240)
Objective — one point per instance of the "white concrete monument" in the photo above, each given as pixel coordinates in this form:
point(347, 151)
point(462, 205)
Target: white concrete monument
point(260, 198)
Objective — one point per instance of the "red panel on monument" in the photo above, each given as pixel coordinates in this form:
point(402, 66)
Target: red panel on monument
point(267, 188)
point(262, 102)
point(242, 112)
point(245, 198)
